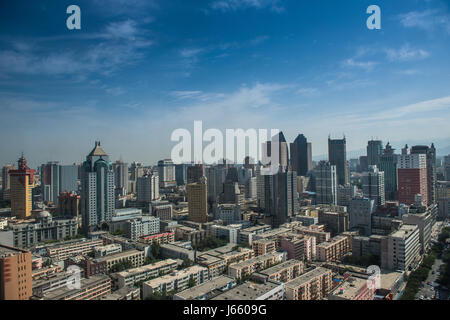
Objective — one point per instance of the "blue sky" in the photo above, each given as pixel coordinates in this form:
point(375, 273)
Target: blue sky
point(139, 69)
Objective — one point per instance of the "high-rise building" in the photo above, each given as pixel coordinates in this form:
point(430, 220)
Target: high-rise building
point(373, 185)
point(283, 153)
point(337, 156)
point(121, 177)
point(374, 151)
point(97, 189)
point(412, 178)
point(326, 183)
point(181, 173)
point(388, 164)
point(69, 178)
point(430, 153)
point(260, 195)
point(50, 182)
point(166, 171)
point(22, 184)
point(447, 168)
point(301, 157)
point(15, 274)
point(363, 164)
point(147, 187)
point(216, 177)
point(197, 201)
point(281, 197)
point(195, 172)
point(6, 180)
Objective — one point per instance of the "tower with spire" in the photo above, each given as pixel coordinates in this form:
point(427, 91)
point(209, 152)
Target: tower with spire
point(97, 189)
point(22, 184)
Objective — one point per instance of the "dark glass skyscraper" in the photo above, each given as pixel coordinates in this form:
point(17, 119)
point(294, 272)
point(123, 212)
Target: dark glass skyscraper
point(301, 158)
point(374, 151)
point(337, 156)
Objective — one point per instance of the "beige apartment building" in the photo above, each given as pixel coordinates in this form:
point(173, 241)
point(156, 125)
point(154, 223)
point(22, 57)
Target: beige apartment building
point(73, 248)
point(136, 258)
point(312, 285)
point(256, 264)
point(334, 249)
point(283, 272)
point(263, 246)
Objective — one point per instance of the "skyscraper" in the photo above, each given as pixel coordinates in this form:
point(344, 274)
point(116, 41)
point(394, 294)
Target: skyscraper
point(412, 178)
point(166, 172)
point(281, 197)
point(147, 187)
point(430, 153)
point(6, 180)
point(22, 183)
point(69, 178)
point(197, 201)
point(121, 177)
point(326, 183)
point(388, 164)
point(50, 181)
point(283, 153)
point(373, 185)
point(181, 173)
point(337, 156)
point(301, 157)
point(195, 172)
point(374, 151)
point(97, 189)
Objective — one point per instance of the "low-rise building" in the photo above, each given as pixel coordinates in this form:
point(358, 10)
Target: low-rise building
point(264, 246)
point(176, 281)
point(72, 248)
point(207, 290)
point(101, 251)
point(283, 272)
point(269, 290)
point(256, 264)
point(334, 249)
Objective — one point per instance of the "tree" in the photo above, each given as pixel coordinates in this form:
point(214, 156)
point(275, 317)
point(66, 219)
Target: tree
point(192, 283)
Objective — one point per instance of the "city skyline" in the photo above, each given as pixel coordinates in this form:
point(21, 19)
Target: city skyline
point(130, 78)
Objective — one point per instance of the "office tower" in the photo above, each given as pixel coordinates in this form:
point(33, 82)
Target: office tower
point(120, 177)
point(337, 156)
point(197, 201)
point(281, 197)
point(6, 181)
point(231, 193)
point(232, 175)
point(363, 164)
point(166, 171)
point(97, 189)
point(15, 274)
point(21, 185)
point(412, 178)
point(69, 178)
point(181, 173)
point(216, 177)
point(251, 189)
point(326, 183)
point(430, 153)
point(249, 163)
point(374, 151)
point(147, 188)
point(283, 153)
point(195, 172)
point(361, 210)
point(447, 168)
point(301, 157)
point(388, 164)
point(136, 171)
point(50, 182)
point(260, 187)
point(373, 185)
point(405, 150)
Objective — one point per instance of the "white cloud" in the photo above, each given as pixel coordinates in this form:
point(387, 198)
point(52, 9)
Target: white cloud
point(233, 5)
point(406, 53)
point(429, 20)
point(366, 65)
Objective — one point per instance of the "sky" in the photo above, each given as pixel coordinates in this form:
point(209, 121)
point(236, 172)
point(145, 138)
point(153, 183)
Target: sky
point(139, 69)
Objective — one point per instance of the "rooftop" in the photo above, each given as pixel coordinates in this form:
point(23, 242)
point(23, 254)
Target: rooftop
point(248, 291)
point(156, 265)
point(307, 277)
point(213, 287)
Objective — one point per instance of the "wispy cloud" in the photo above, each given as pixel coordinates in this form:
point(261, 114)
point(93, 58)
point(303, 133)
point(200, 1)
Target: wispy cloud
point(429, 20)
point(366, 65)
point(406, 53)
point(233, 5)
